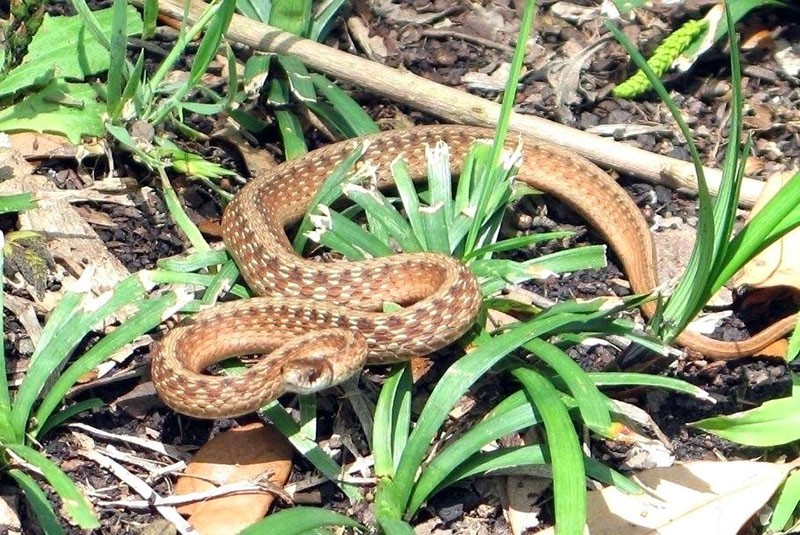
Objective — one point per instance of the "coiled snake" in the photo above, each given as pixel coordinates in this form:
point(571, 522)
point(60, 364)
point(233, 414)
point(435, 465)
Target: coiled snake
point(320, 322)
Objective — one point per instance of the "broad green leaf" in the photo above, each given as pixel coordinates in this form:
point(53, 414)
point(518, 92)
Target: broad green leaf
point(16, 203)
point(63, 48)
point(774, 423)
point(63, 108)
point(293, 16)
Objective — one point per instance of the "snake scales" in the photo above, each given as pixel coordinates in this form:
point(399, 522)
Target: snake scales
point(319, 322)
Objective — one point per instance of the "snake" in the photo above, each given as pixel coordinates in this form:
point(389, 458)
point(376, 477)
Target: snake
point(316, 323)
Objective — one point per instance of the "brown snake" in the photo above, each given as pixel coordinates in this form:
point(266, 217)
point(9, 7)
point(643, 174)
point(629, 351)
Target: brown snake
point(320, 323)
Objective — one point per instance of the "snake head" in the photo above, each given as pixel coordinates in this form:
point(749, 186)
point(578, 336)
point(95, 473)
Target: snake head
point(322, 359)
point(307, 375)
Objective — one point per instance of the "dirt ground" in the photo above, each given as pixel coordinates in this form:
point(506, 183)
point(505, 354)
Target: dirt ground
point(466, 44)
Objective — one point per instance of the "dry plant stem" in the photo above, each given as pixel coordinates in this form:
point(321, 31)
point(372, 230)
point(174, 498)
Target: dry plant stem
point(140, 487)
point(321, 322)
point(457, 106)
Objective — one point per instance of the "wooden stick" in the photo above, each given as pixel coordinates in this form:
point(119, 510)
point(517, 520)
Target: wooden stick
point(457, 106)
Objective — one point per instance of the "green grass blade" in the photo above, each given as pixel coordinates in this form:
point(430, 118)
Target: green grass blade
point(454, 383)
point(409, 199)
point(688, 295)
point(592, 404)
point(440, 179)
point(308, 414)
point(118, 51)
point(466, 185)
point(221, 282)
point(784, 509)
point(178, 214)
point(309, 449)
point(74, 504)
point(325, 19)
point(391, 526)
point(780, 212)
point(333, 119)
point(513, 244)
point(132, 86)
point(255, 9)
point(327, 193)
point(526, 26)
point(151, 313)
point(339, 234)
point(455, 454)
point(90, 23)
point(293, 16)
point(291, 129)
point(38, 502)
point(566, 458)
point(381, 212)
point(150, 8)
point(485, 463)
point(7, 433)
point(162, 276)
point(570, 260)
point(513, 458)
point(194, 261)
point(212, 38)
point(300, 85)
point(299, 521)
point(388, 509)
point(434, 222)
point(53, 350)
point(289, 125)
point(392, 420)
point(62, 416)
point(358, 121)
point(628, 379)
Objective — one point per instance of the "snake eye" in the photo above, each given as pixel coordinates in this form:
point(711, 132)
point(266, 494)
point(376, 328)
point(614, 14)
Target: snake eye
point(307, 375)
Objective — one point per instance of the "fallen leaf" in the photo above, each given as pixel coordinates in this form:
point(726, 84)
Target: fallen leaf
point(758, 39)
point(522, 499)
point(38, 146)
point(699, 497)
point(777, 265)
point(787, 58)
point(9, 518)
point(243, 454)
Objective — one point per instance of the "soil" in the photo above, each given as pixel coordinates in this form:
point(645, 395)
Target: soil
point(415, 39)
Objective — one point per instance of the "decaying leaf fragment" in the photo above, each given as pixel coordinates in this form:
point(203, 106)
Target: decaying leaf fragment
point(250, 453)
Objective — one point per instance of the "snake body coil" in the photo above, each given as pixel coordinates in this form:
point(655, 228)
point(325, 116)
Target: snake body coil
point(321, 322)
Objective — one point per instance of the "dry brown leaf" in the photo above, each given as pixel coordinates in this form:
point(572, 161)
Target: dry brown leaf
point(39, 146)
point(246, 453)
point(522, 499)
point(699, 497)
point(9, 519)
point(778, 264)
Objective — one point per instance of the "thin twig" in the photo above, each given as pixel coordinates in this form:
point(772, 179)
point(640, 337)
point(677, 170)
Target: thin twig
point(141, 488)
